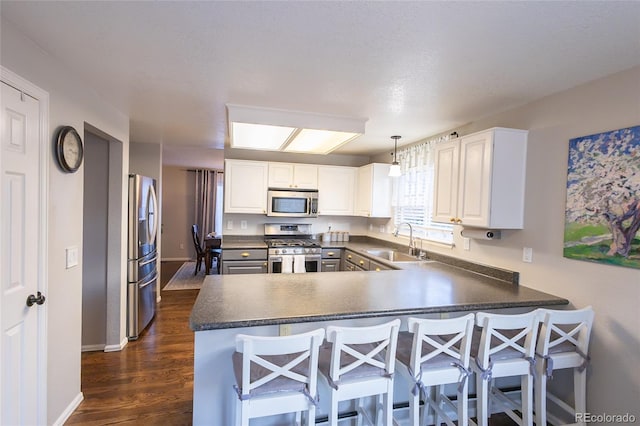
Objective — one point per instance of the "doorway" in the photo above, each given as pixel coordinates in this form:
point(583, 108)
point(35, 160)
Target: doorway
point(102, 294)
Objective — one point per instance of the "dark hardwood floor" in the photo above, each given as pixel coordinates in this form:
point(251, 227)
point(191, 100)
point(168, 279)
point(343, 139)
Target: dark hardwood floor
point(150, 382)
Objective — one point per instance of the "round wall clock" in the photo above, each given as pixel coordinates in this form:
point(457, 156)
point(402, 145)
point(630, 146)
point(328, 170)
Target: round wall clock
point(69, 149)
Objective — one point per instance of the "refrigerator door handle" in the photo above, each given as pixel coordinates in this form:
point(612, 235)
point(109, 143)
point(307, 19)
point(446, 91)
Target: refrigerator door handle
point(152, 219)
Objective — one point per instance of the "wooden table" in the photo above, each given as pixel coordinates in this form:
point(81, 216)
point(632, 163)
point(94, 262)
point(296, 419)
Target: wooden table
point(211, 250)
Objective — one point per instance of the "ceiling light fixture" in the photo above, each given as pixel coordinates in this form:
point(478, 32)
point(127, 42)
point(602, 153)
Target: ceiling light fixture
point(394, 170)
point(290, 131)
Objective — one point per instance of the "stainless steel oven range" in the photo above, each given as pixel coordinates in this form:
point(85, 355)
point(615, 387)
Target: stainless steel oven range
point(291, 249)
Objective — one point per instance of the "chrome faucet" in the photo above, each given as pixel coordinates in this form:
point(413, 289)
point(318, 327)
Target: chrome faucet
point(411, 244)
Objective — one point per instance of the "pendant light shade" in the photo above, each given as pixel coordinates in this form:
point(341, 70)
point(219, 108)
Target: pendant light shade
point(394, 170)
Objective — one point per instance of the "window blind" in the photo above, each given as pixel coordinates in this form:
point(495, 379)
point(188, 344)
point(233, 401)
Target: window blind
point(413, 194)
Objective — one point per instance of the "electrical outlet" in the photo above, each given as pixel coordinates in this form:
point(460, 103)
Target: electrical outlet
point(371, 227)
point(181, 246)
point(229, 224)
point(382, 229)
point(527, 254)
point(467, 243)
point(243, 224)
point(285, 329)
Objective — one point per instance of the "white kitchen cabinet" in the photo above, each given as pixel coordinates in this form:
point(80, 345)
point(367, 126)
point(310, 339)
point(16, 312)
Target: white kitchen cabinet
point(245, 186)
point(288, 175)
point(373, 193)
point(336, 188)
point(480, 179)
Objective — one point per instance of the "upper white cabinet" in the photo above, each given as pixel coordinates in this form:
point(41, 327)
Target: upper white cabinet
point(373, 191)
point(245, 186)
point(287, 175)
point(336, 187)
point(480, 179)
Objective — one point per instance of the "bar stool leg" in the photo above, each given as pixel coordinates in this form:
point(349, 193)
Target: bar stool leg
point(414, 409)
point(526, 384)
point(482, 407)
point(541, 395)
point(580, 390)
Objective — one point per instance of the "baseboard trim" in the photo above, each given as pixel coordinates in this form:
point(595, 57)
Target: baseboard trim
point(175, 259)
point(92, 348)
point(69, 410)
point(116, 348)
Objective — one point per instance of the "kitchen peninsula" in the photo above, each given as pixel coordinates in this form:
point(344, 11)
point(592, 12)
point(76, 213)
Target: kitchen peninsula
point(267, 304)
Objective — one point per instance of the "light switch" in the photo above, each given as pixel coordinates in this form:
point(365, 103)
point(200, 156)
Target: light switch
point(229, 224)
point(467, 243)
point(71, 256)
point(527, 254)
point(243, 224)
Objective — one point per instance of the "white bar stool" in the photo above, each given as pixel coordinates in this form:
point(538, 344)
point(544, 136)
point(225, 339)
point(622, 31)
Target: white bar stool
point(436, 352)
point(359, 362)
point(563, 343)
point(276, 375)
point(506, 348)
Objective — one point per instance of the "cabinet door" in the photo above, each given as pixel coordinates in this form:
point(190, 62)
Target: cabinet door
point(377, 267)
point(364, 191)
point(245, 189)
point(305, 176)
point(445, 194)
point(474, 185)
point(336, 187)
point(280, 175)
point(373, 193)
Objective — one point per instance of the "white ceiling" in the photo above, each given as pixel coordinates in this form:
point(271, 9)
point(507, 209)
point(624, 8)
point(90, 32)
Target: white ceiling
point(412, 68)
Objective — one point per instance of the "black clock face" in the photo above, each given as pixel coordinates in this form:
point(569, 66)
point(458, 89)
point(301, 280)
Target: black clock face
point(69, 150)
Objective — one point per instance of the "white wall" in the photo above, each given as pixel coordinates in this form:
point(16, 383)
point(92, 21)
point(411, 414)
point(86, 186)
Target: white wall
point(71, 103)
point(614, 292)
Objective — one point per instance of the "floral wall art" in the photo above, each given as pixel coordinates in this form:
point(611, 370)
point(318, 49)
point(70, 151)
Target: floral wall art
point(602, 218)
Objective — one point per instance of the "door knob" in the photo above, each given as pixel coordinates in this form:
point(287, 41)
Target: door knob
point(39, 300)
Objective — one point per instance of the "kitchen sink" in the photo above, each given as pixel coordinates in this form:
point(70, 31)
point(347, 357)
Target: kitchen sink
point(392, 255)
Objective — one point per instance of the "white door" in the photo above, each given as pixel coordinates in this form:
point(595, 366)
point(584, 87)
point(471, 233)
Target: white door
point(20, 261)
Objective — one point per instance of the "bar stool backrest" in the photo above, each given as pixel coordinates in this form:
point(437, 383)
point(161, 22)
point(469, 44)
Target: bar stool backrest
point(565, 331)
point(506, 336)
point(279, 362)
point(441, 342)
point(363, 351)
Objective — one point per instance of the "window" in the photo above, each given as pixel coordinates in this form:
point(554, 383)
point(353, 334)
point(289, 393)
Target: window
point(412, 194)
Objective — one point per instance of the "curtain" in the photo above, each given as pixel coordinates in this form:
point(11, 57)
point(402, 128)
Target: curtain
point(208, 201)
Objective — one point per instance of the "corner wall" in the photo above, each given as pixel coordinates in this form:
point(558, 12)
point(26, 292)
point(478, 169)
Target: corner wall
point(609, 103)
point(71, 103)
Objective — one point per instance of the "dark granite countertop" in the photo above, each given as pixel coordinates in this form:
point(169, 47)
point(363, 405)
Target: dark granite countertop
point(230, 301)
point(243, 243)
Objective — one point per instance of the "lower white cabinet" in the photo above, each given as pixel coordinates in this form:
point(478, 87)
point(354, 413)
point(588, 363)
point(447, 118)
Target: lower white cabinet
point(336, 188)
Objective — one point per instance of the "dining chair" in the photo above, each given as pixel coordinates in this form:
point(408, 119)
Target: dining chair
point(276, 375)
point(200, 254)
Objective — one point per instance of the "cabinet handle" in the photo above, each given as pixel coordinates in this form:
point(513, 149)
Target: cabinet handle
point(324, 263)
point(264, 264)
point(452, 220)
point(377, 269)
point(362, 262)
point(245, 254)
point(349, 256)
point(458, 220)
point(330, 253)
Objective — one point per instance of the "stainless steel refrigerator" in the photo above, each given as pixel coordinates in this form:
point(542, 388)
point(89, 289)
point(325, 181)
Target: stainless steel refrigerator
point(142, 270)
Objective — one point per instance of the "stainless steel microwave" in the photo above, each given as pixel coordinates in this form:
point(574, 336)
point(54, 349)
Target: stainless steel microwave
point(292, 203)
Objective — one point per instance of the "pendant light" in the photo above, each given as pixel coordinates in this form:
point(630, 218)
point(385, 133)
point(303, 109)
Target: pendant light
point(394, 170)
